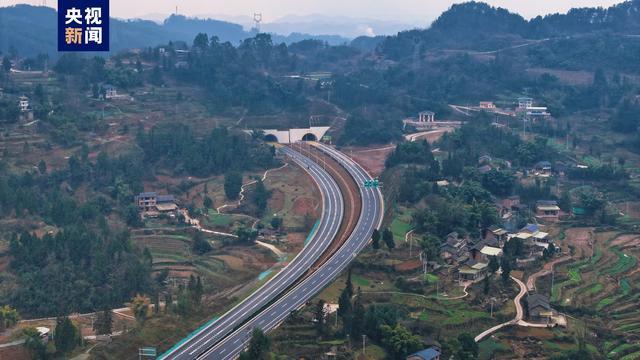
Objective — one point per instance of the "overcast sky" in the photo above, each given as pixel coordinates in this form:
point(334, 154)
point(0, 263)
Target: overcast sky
point(401, 10)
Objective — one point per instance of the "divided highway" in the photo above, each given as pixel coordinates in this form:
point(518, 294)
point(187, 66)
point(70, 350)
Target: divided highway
point(333, 210)
point(269, 318)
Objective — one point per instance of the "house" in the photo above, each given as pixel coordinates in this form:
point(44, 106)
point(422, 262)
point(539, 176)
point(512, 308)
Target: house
point(430, 353)
point(454, 250)
point(110, 91)
point(547, 210)
point(151, 201)
point(539, 308)
point(487, 105)
point(542, 168)
point(426, 116)
point(473, 270)
point(524, 103)
point(497, 233)
point(484, 248)
point(23, 103)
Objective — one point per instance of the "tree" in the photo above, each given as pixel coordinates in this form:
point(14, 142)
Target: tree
point(42, 167)
point(375, 239)
point(493, 264)
point(200, 245)
point(505, 264)
point(207, 202)
point(246, 235)
point(344, 304)
point(276, 222)
point(468, 347)
point(357, 324)
point(6, 64)
point(259, 346)
point(9, 317)
point(140, 307)
point(399, 342)
point(260, 197)
point(319, 315)
point(65, 336)
point(103, 324)
point(132, 216)
point(486, 285)
point(232, 184)
point(34, 344)
point(387, 236)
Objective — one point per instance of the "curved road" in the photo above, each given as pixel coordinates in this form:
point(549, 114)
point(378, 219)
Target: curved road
point(370, 218)
point(333, 210)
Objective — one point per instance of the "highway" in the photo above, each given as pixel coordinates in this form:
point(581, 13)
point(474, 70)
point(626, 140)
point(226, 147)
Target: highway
point(333, 210)
point(269, 318)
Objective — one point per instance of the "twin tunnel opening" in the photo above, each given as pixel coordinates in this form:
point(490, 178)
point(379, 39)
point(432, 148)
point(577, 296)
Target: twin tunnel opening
point(306, 137)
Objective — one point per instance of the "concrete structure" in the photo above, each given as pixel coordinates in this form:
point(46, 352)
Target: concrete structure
point(23, 104)
point(547, 210)
point(426, 116)
point(524, 103)
point(151, 201)
point(487, 105)
point(110, 91)
point(270, 305)
point(291, 136)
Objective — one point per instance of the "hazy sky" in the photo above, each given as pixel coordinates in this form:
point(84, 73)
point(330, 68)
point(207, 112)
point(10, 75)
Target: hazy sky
point(411, 11)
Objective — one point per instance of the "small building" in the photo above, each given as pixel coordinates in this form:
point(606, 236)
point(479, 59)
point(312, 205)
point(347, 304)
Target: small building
point(542, 168)
point(547, 210)
point(496, 233)
point(524, 103)
point(110, 91)
point(430, 353)
point(473, 270)
point(151, 201)
point(23, 103)
point(426, 116)
point(537, 111)
point(540, 309)
point(487, 105)
point(455, 249)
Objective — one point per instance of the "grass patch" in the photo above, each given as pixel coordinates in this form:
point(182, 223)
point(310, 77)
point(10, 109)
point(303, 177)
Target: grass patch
point(399, 229)
point(489, 347)
point(360, 281)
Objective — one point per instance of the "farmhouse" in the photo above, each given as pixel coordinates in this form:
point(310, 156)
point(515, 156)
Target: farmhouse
point(110, 91)
point(539, 308)
point(23, 104)
point(547, 210)
point(524, 103)
point(151, 201)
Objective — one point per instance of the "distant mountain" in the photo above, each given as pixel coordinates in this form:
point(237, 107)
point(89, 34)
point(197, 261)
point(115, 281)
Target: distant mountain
point(31, 30)
point(345, 26)
point(479, 26)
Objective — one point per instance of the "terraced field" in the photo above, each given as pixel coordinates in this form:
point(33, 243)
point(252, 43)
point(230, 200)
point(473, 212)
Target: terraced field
point(224, 267)
point(609, 283)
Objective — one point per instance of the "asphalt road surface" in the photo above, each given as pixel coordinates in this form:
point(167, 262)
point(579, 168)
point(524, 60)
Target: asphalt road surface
point(333, 210)
point(276, 313)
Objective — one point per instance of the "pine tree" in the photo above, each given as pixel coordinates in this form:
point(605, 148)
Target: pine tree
point(387, 236)
point(103, 323)
point(375, 239)
point(65, 335)
point(357, 325)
